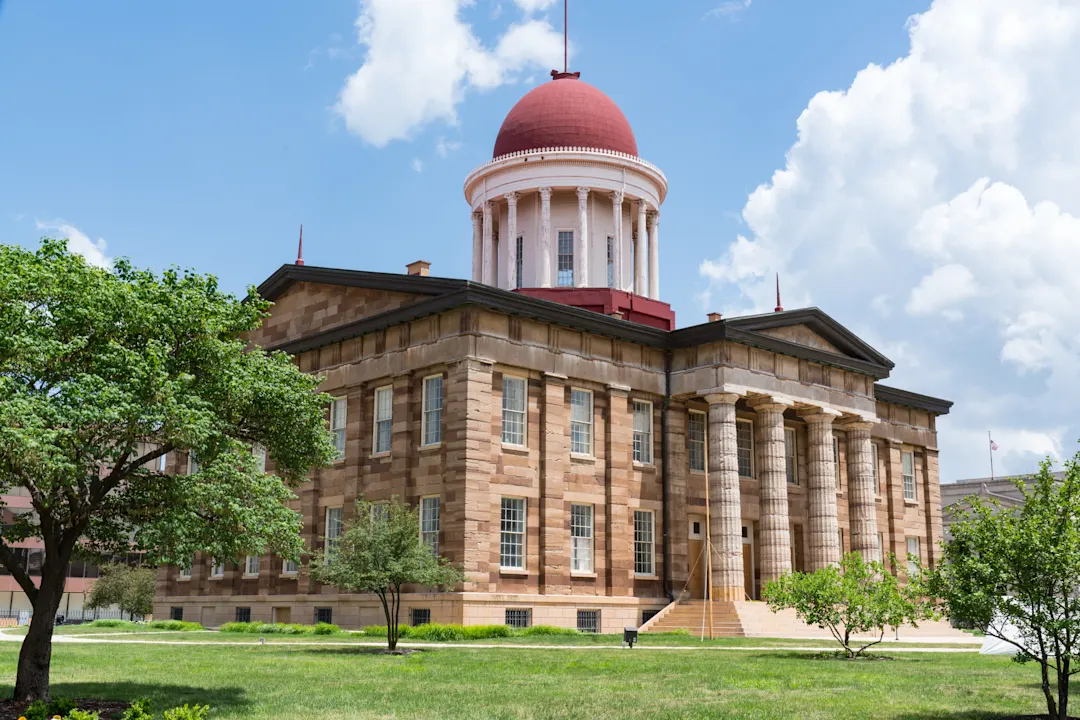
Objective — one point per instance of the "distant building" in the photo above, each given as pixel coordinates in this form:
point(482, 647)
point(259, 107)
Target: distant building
point(1002, 489)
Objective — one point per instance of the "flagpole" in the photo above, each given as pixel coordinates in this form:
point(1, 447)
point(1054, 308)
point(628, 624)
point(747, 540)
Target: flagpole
point(990, 440)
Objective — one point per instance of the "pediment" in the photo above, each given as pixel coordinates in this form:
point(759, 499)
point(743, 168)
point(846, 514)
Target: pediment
point(802, 335)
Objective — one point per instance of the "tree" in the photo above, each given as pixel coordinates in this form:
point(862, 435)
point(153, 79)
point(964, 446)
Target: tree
point(379, 552)
point(104, 371)
point(858, 597)
point(130, 589)
point(1020, 568)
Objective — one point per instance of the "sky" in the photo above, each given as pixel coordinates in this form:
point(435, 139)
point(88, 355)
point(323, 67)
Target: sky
point(910, 167)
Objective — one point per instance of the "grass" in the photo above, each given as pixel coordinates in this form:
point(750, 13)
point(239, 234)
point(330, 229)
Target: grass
point(319, 683)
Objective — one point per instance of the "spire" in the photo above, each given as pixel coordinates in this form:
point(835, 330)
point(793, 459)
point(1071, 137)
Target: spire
point(566, 36)
point(779, 307)
point(300, 250)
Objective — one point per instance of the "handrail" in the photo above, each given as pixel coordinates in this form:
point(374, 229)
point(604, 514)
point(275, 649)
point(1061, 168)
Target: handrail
point(570, 150)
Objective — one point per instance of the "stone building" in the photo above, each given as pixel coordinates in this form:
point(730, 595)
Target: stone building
point(565, 443)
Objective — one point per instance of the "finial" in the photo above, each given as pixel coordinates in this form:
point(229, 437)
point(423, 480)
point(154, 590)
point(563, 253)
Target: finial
point(300, 250)
point(779, 307)
point(566, 36)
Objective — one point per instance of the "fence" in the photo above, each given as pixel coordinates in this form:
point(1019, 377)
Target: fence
point(22, 617)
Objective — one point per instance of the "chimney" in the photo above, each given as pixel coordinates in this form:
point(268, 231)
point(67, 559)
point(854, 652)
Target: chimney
point(420, 267)
point(715, 317)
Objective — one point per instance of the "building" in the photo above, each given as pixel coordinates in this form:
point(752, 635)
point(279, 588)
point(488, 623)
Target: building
point(564, 442)
point(1002, 490)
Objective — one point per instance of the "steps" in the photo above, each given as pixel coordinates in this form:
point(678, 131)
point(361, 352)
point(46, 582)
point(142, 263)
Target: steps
point(693, 617)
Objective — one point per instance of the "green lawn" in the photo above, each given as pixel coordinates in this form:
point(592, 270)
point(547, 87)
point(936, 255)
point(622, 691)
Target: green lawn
point(319, 683)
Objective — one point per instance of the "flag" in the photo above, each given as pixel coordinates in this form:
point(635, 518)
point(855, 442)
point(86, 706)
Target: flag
point(993, 445)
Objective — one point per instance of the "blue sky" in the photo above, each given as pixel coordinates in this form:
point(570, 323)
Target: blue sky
point(202, 134)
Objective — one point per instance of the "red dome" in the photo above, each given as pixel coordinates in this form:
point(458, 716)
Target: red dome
point(565, 112)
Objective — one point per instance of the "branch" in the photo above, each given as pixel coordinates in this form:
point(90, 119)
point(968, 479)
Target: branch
point(18, 573)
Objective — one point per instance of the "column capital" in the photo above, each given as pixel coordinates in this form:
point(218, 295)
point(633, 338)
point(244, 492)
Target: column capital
point(583, 194)
point(719, 398)
point(771, 403)
point(489, 205)
point(511, 197)
point(545, 193)
point(654, 216)
point(477, 217)
point(618, 196)
point(857, 424)
point(820, 415)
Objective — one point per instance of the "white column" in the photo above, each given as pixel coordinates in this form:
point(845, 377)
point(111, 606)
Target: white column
point(489, 243)
point(477, 247)
point(616, 254)
point(581, 252)
point(654, 255)
point(640, 250)
point(509, 280)
point(821, 498)
point(545, 258)
point(862, 508)
point(725, 500)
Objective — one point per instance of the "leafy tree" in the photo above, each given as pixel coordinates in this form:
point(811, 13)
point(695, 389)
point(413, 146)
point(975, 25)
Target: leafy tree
point(1020, 568)
point(856, 597)
point(379, 552)
point(130, 589)
point(105, 371)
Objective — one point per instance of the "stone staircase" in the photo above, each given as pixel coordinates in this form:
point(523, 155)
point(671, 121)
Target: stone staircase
point(693, 616)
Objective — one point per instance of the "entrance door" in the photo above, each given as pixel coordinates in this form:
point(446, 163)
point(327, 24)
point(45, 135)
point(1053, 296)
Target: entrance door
point(282, 615)
point(206, 617)
point(695, 556)
point(748, 568)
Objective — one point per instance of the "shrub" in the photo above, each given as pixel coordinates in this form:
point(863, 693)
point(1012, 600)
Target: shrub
point(43, 710)
point(325, 629)
point(139, 710)
point(178, 625)
point(485, 632)
point(83, 715)
point(545, 630)
point(37, 710)
point(111, 623)
point(258, 628)
point(188, 712)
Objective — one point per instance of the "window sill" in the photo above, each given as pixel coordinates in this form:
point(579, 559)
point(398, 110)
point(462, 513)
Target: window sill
point(183, 579)
point(379, 455)
point(515, 449)
point(431, 447)
point(698, 472)
point(747, 477)
point(216, 578)
point(644, 467)
point(911, 503)
point(289, 576)
point(518, 572)
point(584, 575)
point(581, 458)
point(246, 576)
point(646, 577)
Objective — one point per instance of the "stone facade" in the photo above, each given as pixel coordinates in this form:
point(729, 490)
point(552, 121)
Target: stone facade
point(733, 421)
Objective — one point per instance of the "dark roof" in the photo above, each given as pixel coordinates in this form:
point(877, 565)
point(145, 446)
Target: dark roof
point(448, 293)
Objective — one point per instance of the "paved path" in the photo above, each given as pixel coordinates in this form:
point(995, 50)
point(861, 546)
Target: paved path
point(115, 640)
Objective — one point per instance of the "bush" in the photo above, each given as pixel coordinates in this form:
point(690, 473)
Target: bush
point(83, 715)
point(326, 629)
point(485, 632)
point(43, 710)
point(178, 625)
point(545, 630)
point(110, 624)
point(139, 710)
point(258, 628)
point(188, 712)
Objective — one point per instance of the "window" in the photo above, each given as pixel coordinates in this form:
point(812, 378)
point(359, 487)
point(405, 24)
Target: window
point(907, 461)
point(324, 615)
point(874, 461)
point(337, 424)
point(588, 621)
point(643, 417)
point(519, 618)
point(566, 258)
point(695, 530)
point(422, 616)
point(791, 457)
point(192, 464)
point(581, 538)
point(610, 261)
point(185, 569)
point(512, 537)
point(744, 441)
point(251, 565)
point(429, 522)
point(913, 549)
point(581, 412)
point(647, 615)
point(162, 462)
point(695, 438)
point(176, 613)
point(384, 398)
point(836, 460)
point(290, 567)
point(432, 401)
point(880, 554)
point(243, 614)
point(380, 511)
point(519, 261)
point(260, 456)
point(513, 410)
point(333, 528)
point(643, 543)
point(217, 570)
point(840, 537)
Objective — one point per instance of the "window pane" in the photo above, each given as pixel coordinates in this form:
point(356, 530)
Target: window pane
point(433, 402)
point(907, 461)
point(790, 460)
point(419, 616)
point(337, 424)
point(429, 522)
point(696, 441)
point(610, 262)
point(836, 460)
point(913, 549)
point(251, 565)
point(384, 398)
point(744, 439)
point(643, 432)
point(519, 618)
point(588, 621)
point(643, 542)
point(581, 411)
point(512, 536)
point(519, 261)
point(513, 432)
point(334, 527)
point(581, 538)
point(566, 258)
point(290, 567)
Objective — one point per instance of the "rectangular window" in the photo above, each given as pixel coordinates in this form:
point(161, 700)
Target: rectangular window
point(380, 511)
point(290, 567)
point(217, 570)
point(420, 616)
point(566, 258)
point(744, 442)
point(519, 618)
point(192, 464)
point(581, 538)
point(429, 522)
point(643, 543)
point(519, 261)
point(512, 536)
point(324, 615)
point(162, 462)
point(260, 456)
point(840, 537)
point(337, 424)
point(185, 570)
point(907, 462)
point(384, 409)
point(695, 438)
point(433, 403)
point(251, 565)
point(176, 613)
point(243, 614)
point(513, 410)
point(913, 549)
point(588, 621)
point(333, 528)
point(581, 420)
point(836, 460)
point(643, 417)
point(874, 462)
point(791, 456)
point(880, 554)
point(610, 261)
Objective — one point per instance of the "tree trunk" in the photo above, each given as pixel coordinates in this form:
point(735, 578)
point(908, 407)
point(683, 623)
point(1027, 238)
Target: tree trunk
point(1063, 689)
point(1051, 706)
point(32, 680)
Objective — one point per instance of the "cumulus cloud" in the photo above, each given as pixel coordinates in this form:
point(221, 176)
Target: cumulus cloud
point(418, 165)
point(78, 241)
point(531, 6)
point(444, 147)
point(729, 8)
point(946, 184)
point(422, 58)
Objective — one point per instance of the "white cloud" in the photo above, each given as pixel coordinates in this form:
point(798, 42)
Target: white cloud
point(531, 6)
point(78, 241)
point(729, 8)
point(422, 58)
point(418, 165)
point(444, 147)
point(949, 178)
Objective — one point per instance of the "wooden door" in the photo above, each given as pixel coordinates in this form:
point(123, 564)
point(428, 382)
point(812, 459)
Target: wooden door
point(748, 568)
point(283, 615)
point(206, 617)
